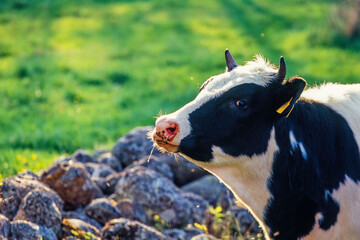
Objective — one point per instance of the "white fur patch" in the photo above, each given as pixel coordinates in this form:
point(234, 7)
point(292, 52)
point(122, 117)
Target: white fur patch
point(259, 72)
point(327, 194)
point(293, 141)
point(245, 176)
point(347, 225)
point(303, 151)
point(295, 144)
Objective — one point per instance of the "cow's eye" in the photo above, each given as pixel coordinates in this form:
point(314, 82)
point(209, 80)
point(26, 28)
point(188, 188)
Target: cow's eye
point(243, 104)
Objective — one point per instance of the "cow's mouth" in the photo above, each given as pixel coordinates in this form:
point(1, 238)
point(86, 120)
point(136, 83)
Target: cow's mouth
point(163, 145)
point(167, 146)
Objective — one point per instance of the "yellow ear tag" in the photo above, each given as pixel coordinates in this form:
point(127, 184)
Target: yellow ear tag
point(290, 110)
point(283, 107)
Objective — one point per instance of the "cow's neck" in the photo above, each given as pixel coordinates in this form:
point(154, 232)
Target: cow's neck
point(245, 176)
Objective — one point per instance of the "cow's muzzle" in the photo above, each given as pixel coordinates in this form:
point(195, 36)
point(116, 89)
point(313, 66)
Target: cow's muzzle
point(165, 135)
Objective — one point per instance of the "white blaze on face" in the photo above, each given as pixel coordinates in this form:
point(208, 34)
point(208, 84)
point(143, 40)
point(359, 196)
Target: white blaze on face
point(259, 72)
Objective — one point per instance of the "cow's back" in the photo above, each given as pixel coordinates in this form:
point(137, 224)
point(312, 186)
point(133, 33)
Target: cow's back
point(345, 100)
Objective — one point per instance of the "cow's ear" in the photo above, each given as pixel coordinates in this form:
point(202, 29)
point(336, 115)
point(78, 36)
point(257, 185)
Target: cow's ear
point(288, 94)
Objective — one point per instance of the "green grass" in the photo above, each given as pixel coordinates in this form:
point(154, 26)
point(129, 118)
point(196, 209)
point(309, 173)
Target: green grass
point(80, 74)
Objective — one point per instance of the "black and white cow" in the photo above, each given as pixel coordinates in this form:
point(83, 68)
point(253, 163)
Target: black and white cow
point(292, 160)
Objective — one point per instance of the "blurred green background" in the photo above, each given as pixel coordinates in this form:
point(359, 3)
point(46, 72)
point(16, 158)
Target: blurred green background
point(80, 74)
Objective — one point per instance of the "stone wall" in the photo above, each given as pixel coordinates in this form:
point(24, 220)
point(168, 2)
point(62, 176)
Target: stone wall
point(122, 194)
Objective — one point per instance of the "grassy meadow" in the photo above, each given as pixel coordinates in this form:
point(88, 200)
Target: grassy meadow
point(80, 74)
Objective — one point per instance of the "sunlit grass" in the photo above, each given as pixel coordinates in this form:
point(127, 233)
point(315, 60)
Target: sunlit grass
point(78, 74)
point(16, 160)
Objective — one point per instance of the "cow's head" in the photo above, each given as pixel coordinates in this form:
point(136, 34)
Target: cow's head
point(233, 113)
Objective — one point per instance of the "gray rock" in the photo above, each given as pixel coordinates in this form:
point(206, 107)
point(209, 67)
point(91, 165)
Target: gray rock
point(99, 170)
point(126, 208)
point(62, 159)
point(136, 145)
point(72, 182)
point(102, 210)
point(111, 182)
point(47, 233)
point(111, 161)
point(133, 146)
point(80, 214)
point(126, 229)
point(82, 156)
point(155, 164)
point(22, 229)
point(212, 190)
point(140, 213)
point(155, 194)
point(4, 226)
point(132, 210)
point(112, 197)
point(199, 206)
point(241, 217)
point(80, 229)
point(176, 234)
point(192, 231)
point(183, 170)
point(101, 183)
point(14, 189)
point(204, 237)
point(27, 174)
point(38, 207)
point(100, 152)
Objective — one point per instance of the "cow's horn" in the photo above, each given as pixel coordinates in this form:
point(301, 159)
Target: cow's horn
point(230, 62)
point(282, 70)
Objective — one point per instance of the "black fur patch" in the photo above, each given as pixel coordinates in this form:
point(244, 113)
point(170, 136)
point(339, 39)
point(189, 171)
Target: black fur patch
point(301, 185)
point(237, 131)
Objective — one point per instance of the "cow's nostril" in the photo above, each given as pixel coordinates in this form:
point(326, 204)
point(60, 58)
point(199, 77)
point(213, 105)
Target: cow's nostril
point(167, 129)
point(172, 130)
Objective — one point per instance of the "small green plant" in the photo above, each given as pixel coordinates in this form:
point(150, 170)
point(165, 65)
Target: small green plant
point(226, 226)
point(159, 223)
point(89, 236)
point(83, 235)
point(75, 233)
point(202, 227)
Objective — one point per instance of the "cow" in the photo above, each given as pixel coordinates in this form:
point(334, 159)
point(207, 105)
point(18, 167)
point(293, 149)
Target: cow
point(290, 156)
